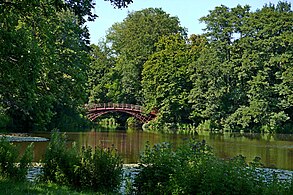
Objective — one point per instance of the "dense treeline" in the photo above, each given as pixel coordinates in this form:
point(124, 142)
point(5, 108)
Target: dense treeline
point(44, 55)
point(247, 83)
point(116, 73)
point(235, 76)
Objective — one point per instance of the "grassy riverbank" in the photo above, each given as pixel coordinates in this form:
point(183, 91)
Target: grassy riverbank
point(24, 187)
point(8, 186)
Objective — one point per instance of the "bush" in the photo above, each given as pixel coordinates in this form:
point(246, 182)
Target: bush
point(132, 122)
point(161, 166)
point(194, 169)
point(157, 164)
point(59, 161)
point(99, 170)
point(12, 164)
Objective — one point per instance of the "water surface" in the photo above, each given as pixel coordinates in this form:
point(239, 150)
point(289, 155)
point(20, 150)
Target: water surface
point(275, 150)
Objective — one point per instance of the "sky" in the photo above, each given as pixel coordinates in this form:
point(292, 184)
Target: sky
point(188, 12)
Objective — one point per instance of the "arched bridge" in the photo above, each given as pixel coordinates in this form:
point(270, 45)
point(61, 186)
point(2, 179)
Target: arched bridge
point(96, 110)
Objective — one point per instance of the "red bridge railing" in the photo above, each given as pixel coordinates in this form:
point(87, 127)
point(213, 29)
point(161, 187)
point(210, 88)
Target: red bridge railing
point(99, 106)
point(96, 110)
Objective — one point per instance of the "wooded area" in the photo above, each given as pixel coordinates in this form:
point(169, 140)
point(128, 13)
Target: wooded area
point(238, 75)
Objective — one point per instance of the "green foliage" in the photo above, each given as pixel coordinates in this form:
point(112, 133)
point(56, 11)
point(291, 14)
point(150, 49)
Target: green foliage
point(206, 125)
point(115, 74)
point(240, 80)
point(120, 3)
point(186, 129)
point(4, 119)
point(208, 88)
point(108, 123)
point(13, 165)
point(59, 161)
point(193, 169)
point(100, 75)
point(161, 162)
point(132, 122)
point(8, 186)
point(44, 54)
point(98, 170)
point(157, 164)
point(236, 76)
point(165, 81)
point(279, 187)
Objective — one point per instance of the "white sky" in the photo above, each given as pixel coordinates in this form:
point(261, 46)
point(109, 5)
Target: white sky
point(188, 12)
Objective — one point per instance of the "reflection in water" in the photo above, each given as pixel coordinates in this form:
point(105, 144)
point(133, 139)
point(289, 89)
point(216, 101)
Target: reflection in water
point(274, 150)
point(128, 143)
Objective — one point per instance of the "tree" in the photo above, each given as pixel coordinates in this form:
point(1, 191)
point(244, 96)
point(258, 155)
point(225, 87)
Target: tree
point(208, 87)
point(166, 82)
point(43, 61)
point(251, 82)
point(100, 74)
point(224, 27)
point(132, 42)
point(120, 3)
point(272, 52)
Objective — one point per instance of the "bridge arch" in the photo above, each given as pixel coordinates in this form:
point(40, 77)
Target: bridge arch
point(96, 110)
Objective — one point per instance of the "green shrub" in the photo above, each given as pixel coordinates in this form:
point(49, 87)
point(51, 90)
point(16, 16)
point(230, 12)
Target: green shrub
point(99, 170)
point(132, 122)
point(4, 119)
point(157, 164)
point(160, 166)
point(59, 161)
point(194, 169)
point(228, 177)
point(12, 164)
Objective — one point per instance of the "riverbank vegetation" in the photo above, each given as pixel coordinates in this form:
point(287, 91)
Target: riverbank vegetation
point(96, 169)
point(8, 186)
point(65, 168)
point(191, 168)
point(13, 165)
point(235, 76)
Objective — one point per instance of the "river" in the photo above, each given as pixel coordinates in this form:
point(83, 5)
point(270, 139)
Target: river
point(275, 151)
